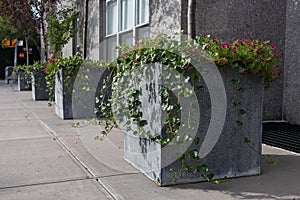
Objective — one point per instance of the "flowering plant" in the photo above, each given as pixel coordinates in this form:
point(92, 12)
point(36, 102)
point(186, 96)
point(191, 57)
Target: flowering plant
point(251, 57)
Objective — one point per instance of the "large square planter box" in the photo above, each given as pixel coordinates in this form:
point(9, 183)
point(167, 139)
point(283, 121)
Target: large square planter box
point(226, 154)
point(39, 87)
point(76, 97)
point(23, 84)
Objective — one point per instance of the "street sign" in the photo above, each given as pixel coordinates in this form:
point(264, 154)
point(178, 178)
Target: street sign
point(20, 43)
point(7, 43)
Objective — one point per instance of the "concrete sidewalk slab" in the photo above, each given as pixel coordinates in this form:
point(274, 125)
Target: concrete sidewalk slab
point(100, 157)
point(73, 190)
point(276, 182)
point(21, 129)
point(16, 114)
point(35, 160)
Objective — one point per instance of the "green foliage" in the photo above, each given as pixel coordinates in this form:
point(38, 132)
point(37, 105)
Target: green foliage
point(60, 28)
point(53, 65)
point(249, 57)
point(28, 70)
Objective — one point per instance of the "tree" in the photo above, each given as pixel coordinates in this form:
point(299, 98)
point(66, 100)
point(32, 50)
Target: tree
point(29, 18)
point(60, 28)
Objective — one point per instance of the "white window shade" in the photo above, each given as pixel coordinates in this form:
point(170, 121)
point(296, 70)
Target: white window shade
point(112, 17)
point(142, 11)
point(127, 14)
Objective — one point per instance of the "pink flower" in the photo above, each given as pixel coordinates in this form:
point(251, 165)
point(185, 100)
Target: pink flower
point(274, 75)
point(235, 49)
point(204, 35)
point(273, 46)
point(281, 54)
point(275, 50)
point(257, 52)
point(265, 71)
point(224, 46)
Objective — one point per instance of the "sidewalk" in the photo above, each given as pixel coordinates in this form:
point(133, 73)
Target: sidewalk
point(43, 157)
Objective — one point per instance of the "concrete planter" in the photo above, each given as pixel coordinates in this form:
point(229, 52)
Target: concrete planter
point(39, 87)
point(23, 84)
point(76, 97)
point(63, 95)
point(229, 156)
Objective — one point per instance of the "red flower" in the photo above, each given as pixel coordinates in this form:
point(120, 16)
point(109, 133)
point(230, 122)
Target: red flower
point(224, 46)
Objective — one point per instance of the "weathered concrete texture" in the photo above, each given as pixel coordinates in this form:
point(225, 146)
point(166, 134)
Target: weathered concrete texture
point(79, 190)
point(39, 87)
point(23, 84)
point(165, 17)
point(234, 19)
point(87, 87)
point(93, 30)
point(63, 95)
point(35, 160)
point(230, 157)
point(292, 63)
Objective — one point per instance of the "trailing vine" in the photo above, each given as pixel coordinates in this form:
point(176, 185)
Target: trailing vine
point(125, 107)
point(70, 65)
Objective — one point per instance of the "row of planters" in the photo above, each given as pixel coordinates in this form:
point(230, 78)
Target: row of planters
point(55, 81)
point(190, 111)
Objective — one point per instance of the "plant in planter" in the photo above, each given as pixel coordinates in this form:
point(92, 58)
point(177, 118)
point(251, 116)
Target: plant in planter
point(22, 72)
point(61, 73)
point(186, 119)
point(38, 79)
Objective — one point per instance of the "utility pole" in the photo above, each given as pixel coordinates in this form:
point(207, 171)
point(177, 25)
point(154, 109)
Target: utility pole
point(16, 53)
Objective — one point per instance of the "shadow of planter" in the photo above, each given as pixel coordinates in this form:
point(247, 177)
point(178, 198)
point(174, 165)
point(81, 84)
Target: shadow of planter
point(227, 155)
point(39, 87)
point(23, 84)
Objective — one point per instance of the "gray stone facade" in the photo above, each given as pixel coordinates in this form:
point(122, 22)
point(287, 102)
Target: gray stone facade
point(291, 95)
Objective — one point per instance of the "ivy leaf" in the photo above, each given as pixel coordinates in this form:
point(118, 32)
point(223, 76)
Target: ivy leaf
point(235, 81)
point(247, 140)
point(194, 154)
point(142, 123)
point(239, 123)
point(210, 177)
point(197, 140)
point(241, 90)
point(242, 111)
point(202, 169)
point(236, 104)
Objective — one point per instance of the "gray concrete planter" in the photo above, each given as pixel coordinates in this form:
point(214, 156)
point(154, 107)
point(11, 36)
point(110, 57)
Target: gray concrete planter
point(63, 95)
point(227, 156)
point(39, 87)
point(23, 84)
point(76, 97)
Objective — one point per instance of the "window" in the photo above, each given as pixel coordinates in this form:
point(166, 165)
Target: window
point(125, 20)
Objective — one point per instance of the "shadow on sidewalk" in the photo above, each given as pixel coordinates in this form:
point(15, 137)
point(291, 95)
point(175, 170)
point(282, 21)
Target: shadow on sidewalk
point(276, 182)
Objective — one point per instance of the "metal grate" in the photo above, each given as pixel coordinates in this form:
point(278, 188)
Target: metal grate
point(282, 135)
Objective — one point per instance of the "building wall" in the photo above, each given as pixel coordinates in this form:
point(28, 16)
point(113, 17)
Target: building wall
point(93, 30)
point(232, 19)
point(274, 20)
point(291, 100)
point(165, 17)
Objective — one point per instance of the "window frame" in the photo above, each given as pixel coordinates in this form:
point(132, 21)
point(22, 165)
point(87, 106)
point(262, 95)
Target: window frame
point(135, 26)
